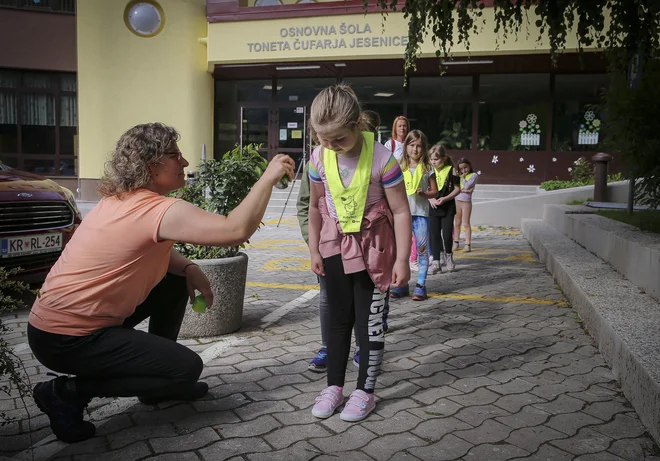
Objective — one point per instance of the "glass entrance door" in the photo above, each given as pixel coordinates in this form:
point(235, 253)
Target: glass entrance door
point(291, 131)
point(254, 123)
point(279, 129)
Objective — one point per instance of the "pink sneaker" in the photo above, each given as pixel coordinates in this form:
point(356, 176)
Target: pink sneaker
point(358, 407)
point(328, 401)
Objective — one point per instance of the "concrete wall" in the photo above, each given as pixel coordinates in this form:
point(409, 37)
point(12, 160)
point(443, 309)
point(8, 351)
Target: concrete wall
point(509, 212)
point(635, 254)
point(124, 80)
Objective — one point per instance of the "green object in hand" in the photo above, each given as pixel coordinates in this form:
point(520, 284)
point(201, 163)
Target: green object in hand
point(284, 182)
point(200, 304)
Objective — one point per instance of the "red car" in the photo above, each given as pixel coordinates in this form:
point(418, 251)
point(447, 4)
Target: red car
point(37, 219)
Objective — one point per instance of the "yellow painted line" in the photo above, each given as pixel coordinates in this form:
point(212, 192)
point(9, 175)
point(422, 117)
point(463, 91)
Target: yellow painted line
point(284, 286)
point(527, 258)
point(288, 221)
point(494, 300)
point(304, 264)
point(495, 250)
point(269, 247)
point(457, 296)
point(516, 258)
point(282, 244)
point(284, 264)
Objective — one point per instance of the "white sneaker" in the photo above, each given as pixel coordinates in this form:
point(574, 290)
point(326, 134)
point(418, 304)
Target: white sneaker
point(467, 248)
point(434, 268)
point(456, 245)
point(450, 263)
point(442, 259)
point(414, 266)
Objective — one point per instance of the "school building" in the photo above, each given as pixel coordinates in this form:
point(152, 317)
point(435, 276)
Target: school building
point(75, 75)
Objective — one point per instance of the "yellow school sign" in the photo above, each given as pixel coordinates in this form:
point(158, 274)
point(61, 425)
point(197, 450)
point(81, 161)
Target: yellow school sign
point(347, 37)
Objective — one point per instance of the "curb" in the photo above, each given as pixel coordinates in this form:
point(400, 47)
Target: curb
point(622, 320)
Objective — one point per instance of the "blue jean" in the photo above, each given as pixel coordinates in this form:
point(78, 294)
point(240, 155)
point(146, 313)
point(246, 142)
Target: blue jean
point(420, 227)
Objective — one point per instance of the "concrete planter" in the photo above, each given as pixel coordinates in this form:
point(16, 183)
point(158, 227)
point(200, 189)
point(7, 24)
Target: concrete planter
point(227, 277)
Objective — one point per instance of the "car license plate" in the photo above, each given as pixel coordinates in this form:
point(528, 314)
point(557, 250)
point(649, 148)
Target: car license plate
point(30, 244)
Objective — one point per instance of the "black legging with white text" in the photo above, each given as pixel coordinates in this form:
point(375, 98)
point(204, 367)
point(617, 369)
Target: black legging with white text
point(354, 299)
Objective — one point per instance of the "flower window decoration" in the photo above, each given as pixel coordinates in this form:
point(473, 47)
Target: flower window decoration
point(589, 129)
point(530, 131)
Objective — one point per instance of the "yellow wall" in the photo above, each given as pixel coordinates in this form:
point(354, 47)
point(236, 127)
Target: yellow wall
point(124, 80)
point(238, 42)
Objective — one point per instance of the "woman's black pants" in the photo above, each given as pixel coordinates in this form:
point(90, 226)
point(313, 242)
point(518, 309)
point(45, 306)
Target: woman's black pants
point(123, 362)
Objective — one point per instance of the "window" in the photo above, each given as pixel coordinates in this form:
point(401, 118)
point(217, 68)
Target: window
point(254, 90)
point(387, 113)
point(513, 126)
point(581, 87)
point(66, 6)
point(577, 119)
point(441, 88)
point(38, 121)
point(450, 123)
point(376, 89)
point(301, 89)
point(513, 112)
point(509, 87)
point(8, 113)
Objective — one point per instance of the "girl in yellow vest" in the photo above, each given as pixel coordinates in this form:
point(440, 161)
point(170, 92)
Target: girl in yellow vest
point(464, 204)
point(359, 240)
point(420, 186)
point(443, 209)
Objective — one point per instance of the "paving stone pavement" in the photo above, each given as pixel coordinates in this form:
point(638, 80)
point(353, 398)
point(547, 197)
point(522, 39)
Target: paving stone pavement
point(493, 366)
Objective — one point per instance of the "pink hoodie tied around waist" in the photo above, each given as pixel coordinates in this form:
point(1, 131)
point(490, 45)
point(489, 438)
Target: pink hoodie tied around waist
point(372, 249)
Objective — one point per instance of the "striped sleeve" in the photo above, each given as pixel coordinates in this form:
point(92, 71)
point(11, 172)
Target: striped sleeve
point(392, 174)
point(314, 175)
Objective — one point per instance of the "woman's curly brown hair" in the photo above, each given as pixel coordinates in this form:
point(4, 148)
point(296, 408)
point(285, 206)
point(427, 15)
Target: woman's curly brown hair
point(137, 150)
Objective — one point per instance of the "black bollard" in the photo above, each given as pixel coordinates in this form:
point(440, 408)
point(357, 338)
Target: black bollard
point(600, 161)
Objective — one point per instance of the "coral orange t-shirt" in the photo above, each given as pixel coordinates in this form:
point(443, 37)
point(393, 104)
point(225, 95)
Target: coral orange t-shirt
point(108, 268)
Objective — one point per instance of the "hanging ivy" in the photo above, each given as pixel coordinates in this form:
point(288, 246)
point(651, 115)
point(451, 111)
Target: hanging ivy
point(623, 27)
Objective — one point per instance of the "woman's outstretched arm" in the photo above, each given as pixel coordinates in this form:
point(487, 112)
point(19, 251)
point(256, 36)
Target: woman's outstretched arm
point(184, 222)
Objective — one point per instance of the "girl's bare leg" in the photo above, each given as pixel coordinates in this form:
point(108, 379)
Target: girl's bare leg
point(466, 214)
point(458, 219)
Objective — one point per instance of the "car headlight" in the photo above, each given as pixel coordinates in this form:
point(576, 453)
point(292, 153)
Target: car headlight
point(72, 200)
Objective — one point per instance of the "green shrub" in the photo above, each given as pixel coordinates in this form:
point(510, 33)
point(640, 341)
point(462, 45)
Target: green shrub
point(221, 186)
point(632, 128)
point(557, 184)
point(582, 171)
point(11, 368)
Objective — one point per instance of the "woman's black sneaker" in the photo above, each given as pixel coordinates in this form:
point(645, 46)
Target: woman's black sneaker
point(199, 390)
point(64, 409)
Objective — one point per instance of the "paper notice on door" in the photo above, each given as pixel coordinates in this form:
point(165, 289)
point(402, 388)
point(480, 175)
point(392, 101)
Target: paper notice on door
point(293, 125)
point(283, 135)
point(296, 134)
point(300, 110)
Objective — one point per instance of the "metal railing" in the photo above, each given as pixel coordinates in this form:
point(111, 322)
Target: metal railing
point(60, 6)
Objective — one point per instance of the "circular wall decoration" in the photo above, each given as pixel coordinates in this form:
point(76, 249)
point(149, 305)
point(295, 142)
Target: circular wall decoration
point(144, 18)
